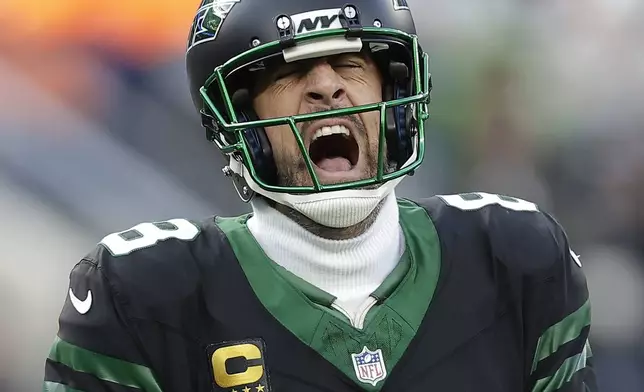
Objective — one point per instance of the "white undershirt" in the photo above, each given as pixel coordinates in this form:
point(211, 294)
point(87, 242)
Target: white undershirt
point(348, 269)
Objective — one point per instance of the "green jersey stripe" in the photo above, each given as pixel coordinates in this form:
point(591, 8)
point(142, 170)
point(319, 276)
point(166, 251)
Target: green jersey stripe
point(50, 386)
point(103, 367)
point(564, 374)
point(561, 333)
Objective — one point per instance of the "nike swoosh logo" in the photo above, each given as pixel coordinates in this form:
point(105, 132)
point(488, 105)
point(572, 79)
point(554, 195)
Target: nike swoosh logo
point(575, 258)
point(81, 306)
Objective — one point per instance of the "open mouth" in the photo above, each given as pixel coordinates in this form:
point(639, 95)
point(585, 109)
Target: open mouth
point(334, 149)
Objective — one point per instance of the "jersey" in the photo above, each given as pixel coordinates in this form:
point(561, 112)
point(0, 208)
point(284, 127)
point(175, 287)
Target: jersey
point(488, 296)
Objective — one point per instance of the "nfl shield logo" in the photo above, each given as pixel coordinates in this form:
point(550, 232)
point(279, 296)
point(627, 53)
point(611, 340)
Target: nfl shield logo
point(369, 366)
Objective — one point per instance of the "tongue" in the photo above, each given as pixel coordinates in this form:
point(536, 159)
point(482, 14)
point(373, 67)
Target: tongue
point(334, 164)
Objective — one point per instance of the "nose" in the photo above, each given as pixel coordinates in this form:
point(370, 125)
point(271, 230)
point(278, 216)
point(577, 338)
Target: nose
point(324, 86)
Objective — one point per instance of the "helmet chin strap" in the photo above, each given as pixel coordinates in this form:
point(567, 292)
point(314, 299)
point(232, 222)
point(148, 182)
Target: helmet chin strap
point(337, 209)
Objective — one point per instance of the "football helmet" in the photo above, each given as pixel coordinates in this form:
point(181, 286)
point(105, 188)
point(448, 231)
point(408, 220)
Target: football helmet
point(231, 39)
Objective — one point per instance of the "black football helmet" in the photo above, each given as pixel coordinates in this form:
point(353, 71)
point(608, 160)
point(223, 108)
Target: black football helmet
point(231, 39)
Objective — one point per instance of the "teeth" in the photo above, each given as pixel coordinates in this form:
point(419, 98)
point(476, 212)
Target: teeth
point(325, 131)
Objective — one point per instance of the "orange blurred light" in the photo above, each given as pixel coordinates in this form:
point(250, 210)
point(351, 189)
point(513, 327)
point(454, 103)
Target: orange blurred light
point(142, 30)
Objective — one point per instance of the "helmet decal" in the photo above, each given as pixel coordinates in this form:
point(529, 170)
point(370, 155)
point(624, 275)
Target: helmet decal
point(209, 17)
point(317, 20)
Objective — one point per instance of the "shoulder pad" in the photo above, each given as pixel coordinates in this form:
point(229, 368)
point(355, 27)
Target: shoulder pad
point(515, 231)
point(157, 264)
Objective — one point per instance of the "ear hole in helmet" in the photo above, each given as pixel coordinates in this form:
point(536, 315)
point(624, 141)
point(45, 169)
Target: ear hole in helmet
point(259, 147)
point(398, 132)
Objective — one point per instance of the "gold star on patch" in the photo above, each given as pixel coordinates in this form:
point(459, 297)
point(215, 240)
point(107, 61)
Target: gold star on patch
point(246, 389)
point(260, 388)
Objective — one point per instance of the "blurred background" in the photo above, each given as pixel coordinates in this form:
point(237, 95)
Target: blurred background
point(542, 100)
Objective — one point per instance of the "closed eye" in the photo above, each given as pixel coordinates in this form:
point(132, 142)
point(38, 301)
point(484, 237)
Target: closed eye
point(348, 65)
point(348, 68)
point(287, 71)
point(284, 74)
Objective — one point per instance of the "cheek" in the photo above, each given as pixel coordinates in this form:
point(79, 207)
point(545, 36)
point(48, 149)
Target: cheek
point(277, 101)
point(371, 121)
point(282, 141)
point(369, 92)
point(281, 137)
point(369, 87)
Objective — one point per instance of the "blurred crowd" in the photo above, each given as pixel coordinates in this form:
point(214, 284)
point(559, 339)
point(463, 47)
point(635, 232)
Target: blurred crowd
point(541, 100)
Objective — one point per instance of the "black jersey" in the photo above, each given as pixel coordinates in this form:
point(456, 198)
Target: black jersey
point(488, 296)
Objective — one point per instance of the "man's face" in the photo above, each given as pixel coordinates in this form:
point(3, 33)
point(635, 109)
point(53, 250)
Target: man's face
point(342, 149)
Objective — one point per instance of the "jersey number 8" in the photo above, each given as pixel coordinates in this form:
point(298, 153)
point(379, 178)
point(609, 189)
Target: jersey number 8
point(478, 200)
point(145, 235)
